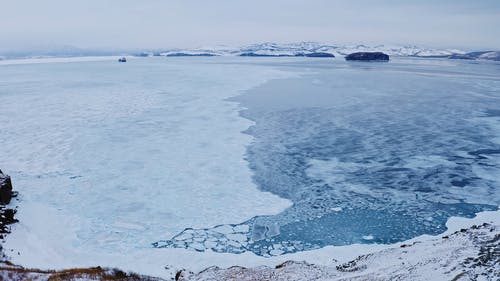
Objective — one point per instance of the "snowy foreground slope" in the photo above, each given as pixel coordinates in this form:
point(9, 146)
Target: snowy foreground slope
point(467, 254)
point(471, 253)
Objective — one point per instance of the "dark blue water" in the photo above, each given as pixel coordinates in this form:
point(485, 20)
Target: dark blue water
point(367, 153)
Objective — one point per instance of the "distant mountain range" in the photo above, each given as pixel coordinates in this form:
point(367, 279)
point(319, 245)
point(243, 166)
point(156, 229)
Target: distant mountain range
point(487, 55)
point(312, 49)
point(306, 48)
point(302, 49)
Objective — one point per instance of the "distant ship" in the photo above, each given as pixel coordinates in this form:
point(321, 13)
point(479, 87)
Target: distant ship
point(123, 59)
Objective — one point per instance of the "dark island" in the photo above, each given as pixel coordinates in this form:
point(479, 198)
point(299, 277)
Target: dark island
point(367, 56)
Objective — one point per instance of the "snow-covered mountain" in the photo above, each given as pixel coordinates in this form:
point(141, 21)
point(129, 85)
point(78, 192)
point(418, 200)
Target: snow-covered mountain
point(487, 55)
point(301, 49)
point(309, 48)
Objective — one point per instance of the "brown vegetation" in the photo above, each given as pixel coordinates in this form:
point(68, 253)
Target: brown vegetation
point(10, 272)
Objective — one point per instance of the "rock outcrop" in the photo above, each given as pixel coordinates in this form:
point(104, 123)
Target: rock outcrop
point(6, 214)
point(368, 56)
point(5, 189)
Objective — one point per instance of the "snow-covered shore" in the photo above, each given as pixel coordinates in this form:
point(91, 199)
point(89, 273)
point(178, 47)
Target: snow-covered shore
point(467, 254)
point(468, 250)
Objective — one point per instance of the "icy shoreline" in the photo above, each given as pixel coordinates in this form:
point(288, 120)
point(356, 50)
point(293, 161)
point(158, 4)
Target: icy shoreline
point(456, 252)
point(470, 253)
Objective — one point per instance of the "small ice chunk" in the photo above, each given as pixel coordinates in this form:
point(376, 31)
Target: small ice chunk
point(224, 229)
point(198, 247)
point(276, 252)
point(127, 225)
point(199, 239)
point(336, 209)
point(237, 237)
point(210, 244)
point(273, 230)
point(241, 228)
point(368, 237)
point(184, 236)
point(233, 243)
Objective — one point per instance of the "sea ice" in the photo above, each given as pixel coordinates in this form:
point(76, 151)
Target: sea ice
point(391, 145)
point(111, 159)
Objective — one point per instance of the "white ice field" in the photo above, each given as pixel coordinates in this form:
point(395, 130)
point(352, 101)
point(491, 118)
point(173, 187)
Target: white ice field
point(111, 158)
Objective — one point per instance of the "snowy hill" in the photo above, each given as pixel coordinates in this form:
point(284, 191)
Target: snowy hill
point(307, 48)
point(467, 254)
point(267, 49)
point(487, 55)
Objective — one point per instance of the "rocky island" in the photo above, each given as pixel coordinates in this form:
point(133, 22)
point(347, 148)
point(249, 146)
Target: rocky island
point(367, 56)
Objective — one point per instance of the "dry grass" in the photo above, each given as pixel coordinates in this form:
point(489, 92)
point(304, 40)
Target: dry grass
point(92, 273)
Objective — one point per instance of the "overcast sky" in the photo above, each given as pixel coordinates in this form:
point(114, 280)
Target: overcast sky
point(473, 24)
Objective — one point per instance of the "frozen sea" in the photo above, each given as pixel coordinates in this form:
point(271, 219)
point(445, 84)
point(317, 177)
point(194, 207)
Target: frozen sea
point(206, 159)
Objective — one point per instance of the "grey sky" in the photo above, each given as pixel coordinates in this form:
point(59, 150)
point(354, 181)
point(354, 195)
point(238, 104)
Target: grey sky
point(190, 23)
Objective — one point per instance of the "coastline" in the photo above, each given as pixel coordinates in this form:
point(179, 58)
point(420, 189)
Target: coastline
point(319, 262)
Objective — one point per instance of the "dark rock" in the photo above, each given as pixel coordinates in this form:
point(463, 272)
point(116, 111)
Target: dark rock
point(368, 56)
point(5, 189)
point(6, 218)
point(6, 215)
